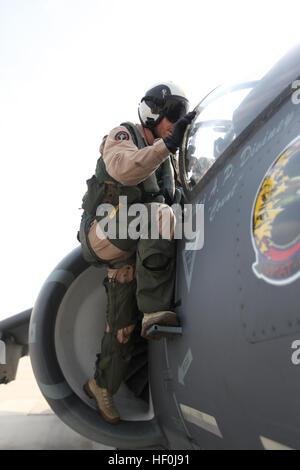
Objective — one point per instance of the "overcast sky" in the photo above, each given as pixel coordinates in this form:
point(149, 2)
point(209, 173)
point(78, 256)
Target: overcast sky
point(70, 70)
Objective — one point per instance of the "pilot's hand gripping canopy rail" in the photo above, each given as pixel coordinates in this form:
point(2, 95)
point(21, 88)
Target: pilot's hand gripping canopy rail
point(136, 161)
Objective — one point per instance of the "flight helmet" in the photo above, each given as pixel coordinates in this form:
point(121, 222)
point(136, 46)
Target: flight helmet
point(162, 100)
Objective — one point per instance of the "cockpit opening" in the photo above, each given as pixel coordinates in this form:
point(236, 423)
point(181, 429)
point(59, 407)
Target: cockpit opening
point(212, 131)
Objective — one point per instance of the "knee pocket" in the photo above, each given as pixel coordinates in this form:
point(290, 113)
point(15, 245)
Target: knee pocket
point(156, 262)
point(155, 255)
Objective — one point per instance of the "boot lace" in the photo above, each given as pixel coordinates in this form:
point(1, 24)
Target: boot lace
point(108, 400)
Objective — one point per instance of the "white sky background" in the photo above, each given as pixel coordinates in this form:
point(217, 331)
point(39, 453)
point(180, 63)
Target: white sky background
point(70, 70)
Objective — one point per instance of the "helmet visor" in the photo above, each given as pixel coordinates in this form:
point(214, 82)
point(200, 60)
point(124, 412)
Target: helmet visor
point(174, 109)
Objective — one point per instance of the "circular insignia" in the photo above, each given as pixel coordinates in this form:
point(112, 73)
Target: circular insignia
point(275, 226)
point(122, 135)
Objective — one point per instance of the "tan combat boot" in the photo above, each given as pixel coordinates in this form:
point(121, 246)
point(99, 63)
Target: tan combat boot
point(159, 318)
point(104, 401)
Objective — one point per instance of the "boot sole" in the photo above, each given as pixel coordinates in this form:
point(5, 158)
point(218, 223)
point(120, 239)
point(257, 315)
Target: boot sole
point(88, 392)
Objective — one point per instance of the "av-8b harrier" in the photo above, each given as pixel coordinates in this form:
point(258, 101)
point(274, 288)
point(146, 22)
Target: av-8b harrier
point(230, 380)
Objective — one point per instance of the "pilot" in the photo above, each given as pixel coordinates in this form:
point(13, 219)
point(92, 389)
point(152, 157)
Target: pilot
point(136, 161)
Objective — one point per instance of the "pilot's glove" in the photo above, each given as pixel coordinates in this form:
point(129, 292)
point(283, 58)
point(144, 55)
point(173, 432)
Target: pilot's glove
point(174, 140)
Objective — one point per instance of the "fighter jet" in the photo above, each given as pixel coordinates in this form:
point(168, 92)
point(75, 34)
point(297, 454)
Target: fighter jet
point(229, 378)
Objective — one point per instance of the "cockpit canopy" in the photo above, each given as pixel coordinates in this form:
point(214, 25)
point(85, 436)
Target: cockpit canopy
point(226, 112)
point(213, 130)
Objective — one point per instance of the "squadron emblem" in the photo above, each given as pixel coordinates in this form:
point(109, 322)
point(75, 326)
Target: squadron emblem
point(275, 225)
point(122, 135)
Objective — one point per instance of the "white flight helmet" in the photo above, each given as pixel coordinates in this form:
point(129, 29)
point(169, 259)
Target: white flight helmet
point(162, 100)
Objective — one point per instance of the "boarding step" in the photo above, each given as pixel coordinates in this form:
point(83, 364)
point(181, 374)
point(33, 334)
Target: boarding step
point(159, 331)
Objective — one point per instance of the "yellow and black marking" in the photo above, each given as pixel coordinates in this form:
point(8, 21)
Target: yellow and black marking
point(275, 220)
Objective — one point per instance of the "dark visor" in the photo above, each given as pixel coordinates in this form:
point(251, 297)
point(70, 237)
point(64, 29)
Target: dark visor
point(175, 109)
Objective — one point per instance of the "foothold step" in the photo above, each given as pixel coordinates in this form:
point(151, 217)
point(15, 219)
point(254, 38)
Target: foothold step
point(158, 331)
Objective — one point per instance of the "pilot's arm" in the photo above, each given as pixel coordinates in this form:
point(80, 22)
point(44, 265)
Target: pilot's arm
point(128, 164)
